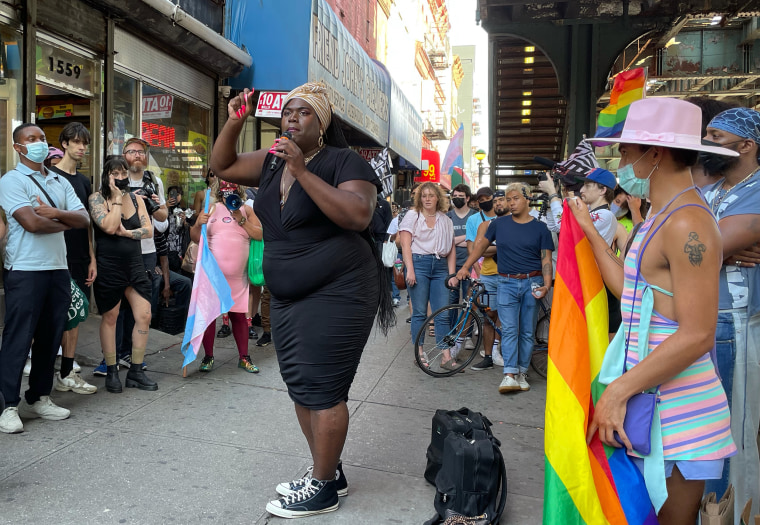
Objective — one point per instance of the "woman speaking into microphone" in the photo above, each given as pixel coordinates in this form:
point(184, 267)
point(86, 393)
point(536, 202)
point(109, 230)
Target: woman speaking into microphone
point(315, 203)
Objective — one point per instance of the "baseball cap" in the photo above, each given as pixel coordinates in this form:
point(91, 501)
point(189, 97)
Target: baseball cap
point(484, 192)
point(54, 153)
point(135, 140)
point(499, 193)
point(601, 176)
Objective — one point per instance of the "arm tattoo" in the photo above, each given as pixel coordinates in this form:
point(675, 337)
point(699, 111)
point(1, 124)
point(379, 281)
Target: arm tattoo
point(143, 221)
point(694, 248)
point(139, 233)
point(97, 208)
point(611, 254)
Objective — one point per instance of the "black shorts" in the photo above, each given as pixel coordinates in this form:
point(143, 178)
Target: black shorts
point(78, 271)
point(115, 276)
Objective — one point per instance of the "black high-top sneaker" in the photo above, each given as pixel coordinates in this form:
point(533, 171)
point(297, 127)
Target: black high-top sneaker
point(288, 487)
point(316, 497)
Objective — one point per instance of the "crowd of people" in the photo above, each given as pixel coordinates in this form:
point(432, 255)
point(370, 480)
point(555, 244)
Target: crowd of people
point(675, 228)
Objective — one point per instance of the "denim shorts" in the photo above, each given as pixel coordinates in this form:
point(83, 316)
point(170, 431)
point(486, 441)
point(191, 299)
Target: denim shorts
point(690, 469)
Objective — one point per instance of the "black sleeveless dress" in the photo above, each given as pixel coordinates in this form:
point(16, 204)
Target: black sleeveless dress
point(323, 280)
point(120, 265)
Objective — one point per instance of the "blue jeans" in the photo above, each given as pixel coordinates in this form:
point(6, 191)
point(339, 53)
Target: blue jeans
point(738, 355)
point(396, 294)
point(430, 274)
point(456, 295)
point(517, 312)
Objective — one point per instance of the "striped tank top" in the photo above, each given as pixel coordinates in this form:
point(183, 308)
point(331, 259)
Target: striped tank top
point(694, 413)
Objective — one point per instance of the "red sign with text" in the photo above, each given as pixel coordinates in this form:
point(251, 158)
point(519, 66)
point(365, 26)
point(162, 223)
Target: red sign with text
point(270, 104)
point(431, 173)
point(157, 106)
point(157, 135)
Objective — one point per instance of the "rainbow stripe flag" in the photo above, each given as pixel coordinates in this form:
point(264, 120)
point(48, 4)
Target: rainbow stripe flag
point(210, 298)
point(581, 481)
point(629, 86)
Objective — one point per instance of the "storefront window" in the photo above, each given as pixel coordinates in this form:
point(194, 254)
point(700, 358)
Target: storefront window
point(125, 113)
point(11, 94)
point(178, 133)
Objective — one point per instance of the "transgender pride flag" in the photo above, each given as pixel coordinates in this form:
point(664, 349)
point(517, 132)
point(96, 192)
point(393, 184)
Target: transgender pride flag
point(454, 155)
point(211, 297)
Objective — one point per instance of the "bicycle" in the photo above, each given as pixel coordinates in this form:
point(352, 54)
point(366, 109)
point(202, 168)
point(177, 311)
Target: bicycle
point(468, 320)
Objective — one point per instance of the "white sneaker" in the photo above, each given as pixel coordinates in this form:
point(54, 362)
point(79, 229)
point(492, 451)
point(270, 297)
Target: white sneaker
point(468, 344)
point(10, 422)
point(498, 359)
point(482, 353)
point(43, 408)
point(28, 367)
point(508, 384)
point(522, 380)
point(74, 383)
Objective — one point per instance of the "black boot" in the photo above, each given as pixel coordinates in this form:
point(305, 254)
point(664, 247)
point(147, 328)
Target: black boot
point(136, 378)
point(113, 384)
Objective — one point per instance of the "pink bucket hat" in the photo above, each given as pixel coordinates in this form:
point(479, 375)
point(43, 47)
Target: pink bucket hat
point(665, 122)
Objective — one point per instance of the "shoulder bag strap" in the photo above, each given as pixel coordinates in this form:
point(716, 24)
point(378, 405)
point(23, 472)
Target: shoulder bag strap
point(50, 200)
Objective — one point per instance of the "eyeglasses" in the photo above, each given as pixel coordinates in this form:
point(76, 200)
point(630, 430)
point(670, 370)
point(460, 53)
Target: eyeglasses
point(138, 152)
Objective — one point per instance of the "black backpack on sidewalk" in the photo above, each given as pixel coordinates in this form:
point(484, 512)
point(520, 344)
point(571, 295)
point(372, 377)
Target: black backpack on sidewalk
point(471, 480)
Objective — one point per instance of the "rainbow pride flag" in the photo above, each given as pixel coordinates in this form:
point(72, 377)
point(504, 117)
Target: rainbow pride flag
point(629, 86)
point(583, 484)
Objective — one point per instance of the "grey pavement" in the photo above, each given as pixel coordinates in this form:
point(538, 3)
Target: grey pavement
point(210, 448)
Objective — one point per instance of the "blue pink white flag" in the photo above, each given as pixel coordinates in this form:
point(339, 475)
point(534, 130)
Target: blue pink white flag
point(210, 298)
point(454, 153)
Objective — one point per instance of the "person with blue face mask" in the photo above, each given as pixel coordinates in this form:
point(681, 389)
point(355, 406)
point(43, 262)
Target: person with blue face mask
point(668, 285)
point(39, 206)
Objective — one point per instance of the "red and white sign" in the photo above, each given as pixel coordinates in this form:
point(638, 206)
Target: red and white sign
point(368, 153)
point(157, 106)
point(431, 167)
point(270, 104)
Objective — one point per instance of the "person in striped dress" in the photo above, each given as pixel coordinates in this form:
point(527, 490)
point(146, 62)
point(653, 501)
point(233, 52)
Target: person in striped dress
point(668, 287)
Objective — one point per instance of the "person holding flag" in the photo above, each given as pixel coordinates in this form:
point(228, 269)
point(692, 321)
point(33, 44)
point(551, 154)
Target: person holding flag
point(664, 343)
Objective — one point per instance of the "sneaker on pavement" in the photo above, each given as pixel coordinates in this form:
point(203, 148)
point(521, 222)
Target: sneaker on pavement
point(265, 339)
point(469, 344)
point(126, 361)
point(316, 497)
point(73, 382)
point(10, 422)
point(288, 488)
point(101, 369)
point(522, 380)
point(44, 408)
point(57, 366)
point(485, 364)
point(508, 384)
point(207, 364)
point(256, 320)
point(498, 359)
point(246, 364)
point(224, 331)
point(482, 353)
point(28, 367)
point(396, 302)
point(252, 333)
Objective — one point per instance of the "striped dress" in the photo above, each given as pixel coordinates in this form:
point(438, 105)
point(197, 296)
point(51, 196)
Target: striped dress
point(693, 408)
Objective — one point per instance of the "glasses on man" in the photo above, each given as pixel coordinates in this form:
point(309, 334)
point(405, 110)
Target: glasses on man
point(137, 152)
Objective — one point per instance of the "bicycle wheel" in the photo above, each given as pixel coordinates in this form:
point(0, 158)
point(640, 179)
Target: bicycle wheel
point(539, 360)
point(429, 354)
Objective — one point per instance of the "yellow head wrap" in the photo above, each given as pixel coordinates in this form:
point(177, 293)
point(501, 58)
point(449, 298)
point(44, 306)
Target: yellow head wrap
point(315, 94)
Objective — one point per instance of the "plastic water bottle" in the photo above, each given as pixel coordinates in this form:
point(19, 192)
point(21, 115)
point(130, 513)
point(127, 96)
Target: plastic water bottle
point(534, 290)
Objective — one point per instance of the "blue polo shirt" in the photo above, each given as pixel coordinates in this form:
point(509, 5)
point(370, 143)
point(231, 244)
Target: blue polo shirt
point(25, 250)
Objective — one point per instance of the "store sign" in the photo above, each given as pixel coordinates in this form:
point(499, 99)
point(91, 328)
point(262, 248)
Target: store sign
point(157, 106)
point(431, 167)
point(63, 69)
point(270, 104)
point(406, 127)
point(358, 89)
point(368, 153)
point(158, 136)
point(59, 111)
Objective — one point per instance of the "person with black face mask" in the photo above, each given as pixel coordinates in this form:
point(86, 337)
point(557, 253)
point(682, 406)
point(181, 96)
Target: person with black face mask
point(122, 222)
point(460, 197)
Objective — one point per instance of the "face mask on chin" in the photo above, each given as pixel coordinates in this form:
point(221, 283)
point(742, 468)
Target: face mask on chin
point(122, 184)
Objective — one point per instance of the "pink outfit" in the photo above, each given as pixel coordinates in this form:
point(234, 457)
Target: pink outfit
point(230, 244)
point(437, 240)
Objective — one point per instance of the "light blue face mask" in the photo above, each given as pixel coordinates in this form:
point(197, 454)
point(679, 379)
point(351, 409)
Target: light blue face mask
point(36, 151)
point(617, 210)
point(631, 183)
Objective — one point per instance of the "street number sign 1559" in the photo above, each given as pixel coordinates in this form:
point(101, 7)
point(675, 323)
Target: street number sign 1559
point(64, 68)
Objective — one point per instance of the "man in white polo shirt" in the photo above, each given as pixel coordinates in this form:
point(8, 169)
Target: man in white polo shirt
point(40, 206)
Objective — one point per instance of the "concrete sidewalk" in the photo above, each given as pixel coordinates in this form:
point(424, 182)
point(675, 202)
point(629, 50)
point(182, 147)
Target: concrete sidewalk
point(212, 447)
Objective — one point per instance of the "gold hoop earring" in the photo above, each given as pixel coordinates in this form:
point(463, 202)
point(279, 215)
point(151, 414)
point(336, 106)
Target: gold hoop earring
point(321, 141)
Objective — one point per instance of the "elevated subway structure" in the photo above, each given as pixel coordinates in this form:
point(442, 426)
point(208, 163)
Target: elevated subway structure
point(552, 63)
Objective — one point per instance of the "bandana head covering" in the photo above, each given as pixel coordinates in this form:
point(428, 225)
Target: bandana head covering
point(742, 122)
point(315, 94)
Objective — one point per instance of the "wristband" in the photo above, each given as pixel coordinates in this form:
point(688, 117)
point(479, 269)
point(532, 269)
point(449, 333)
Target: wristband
point(553, 195)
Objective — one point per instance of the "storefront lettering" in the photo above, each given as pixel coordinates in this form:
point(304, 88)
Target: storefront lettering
point(355, 114)
point(61, 67)
point(326, 48)
point(158, 135)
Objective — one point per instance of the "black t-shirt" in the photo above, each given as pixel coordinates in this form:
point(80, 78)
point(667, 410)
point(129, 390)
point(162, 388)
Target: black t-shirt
point(77, 243)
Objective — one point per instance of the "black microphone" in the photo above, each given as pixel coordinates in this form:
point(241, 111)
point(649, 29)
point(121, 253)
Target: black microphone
point(273, 164)
point(545, 162)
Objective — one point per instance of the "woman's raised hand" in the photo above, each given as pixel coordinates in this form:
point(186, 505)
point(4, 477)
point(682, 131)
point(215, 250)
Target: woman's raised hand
point(241, 106)
point(114, 190)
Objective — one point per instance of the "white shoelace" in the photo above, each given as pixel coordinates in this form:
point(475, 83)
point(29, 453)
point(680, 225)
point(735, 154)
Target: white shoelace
point(301, 494)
